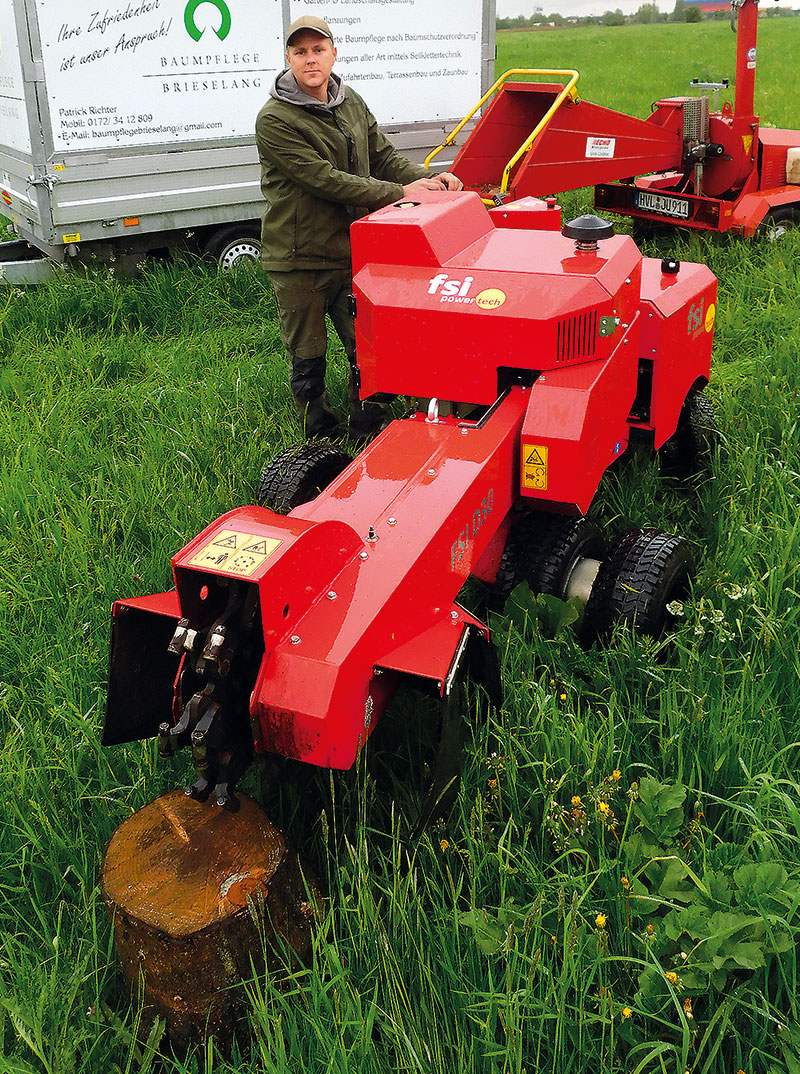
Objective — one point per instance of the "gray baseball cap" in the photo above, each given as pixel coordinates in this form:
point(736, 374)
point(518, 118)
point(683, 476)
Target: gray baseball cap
point(309, 22)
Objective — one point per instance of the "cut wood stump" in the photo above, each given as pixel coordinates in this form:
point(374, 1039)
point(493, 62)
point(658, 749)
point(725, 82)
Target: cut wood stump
point(200, 897)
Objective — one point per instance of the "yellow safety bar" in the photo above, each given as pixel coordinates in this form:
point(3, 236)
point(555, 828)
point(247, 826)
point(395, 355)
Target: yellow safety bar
point(567, 91)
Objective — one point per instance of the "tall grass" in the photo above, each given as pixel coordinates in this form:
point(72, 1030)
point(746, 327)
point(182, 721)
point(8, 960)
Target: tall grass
point(504, 941)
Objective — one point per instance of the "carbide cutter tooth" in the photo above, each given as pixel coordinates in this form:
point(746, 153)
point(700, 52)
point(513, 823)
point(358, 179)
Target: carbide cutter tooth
point(179, 637)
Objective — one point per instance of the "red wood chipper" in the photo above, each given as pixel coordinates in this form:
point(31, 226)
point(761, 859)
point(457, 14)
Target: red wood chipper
point(533, 353)
point(684, 165)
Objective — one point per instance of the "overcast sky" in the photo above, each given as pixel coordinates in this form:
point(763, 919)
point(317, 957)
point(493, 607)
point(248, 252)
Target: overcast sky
point(509, 8)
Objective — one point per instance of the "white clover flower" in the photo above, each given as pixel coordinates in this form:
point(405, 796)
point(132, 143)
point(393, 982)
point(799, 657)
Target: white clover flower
point(734, 591)
point(676, 608)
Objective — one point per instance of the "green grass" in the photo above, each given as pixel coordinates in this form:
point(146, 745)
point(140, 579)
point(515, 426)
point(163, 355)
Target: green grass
point(629, 67)
point(132, 413)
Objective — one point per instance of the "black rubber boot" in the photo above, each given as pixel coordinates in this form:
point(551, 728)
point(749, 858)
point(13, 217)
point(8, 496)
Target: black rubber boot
point(367, 418)
point(316, 417)
point(311, 399)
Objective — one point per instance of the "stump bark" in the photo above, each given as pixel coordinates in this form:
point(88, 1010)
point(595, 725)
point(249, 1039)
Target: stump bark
point(200, 897)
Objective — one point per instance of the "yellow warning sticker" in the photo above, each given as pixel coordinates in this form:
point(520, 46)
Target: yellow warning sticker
point(747, 141)
point(233, 552)
point(534, 466)
point(74, 237)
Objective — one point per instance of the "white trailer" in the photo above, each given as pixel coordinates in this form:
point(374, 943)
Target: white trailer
point(126, 126)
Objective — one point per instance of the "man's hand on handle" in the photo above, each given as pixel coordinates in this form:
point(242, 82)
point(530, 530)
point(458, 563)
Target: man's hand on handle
point(443, 181)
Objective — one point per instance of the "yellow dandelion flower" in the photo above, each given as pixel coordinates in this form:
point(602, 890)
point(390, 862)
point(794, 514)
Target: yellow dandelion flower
point(576, 800)
point(616, 775)
point(600, 921)
point(563, 697)
point(626, 1012)
point(625, 882)
point(444, 844)
point(604, 807)
point(671, 977)
point(687, 1007)
point(493, 784)
point(651, 929)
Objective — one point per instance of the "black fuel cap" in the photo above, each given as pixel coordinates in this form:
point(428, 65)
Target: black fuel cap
point(588, 228)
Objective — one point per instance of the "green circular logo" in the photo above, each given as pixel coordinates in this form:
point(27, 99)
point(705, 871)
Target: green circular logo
point(194, 30)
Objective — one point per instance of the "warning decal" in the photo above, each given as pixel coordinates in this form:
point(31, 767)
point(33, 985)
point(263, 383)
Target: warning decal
point(233, 552)
point(534, 466)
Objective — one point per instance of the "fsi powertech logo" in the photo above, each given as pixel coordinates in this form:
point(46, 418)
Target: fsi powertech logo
point(190, 21)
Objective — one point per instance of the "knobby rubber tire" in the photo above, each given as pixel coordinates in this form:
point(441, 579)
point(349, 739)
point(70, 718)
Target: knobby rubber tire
point(299, 474)
point(645, 571)
point(542, 550)
point(689, 451)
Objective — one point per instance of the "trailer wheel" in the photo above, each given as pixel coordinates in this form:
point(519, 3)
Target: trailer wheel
point(299, 474)
point(776, 223)
point(645, 571)
point(232, 247)
point(543, 550)
point(691, 447)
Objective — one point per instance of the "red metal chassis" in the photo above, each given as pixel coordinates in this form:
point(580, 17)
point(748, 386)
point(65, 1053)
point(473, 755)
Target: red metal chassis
point(556, 351)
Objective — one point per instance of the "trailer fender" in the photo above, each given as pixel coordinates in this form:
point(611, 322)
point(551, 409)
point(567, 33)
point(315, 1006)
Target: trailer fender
point(751, 211)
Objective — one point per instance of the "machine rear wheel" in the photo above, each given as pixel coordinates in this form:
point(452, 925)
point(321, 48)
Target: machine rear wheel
point(691, 447)
point(299, 474)
point(543, 550)
point(645, 571)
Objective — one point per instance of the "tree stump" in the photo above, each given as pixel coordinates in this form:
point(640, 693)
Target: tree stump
point(199, 896)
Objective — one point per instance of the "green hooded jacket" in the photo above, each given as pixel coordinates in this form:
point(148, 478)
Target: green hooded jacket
point(322, 166)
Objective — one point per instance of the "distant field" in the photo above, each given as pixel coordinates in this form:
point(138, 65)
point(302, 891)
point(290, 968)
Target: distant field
point(628, 67)
point(617, 890)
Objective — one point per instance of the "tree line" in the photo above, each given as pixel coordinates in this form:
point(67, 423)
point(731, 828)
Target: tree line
point(682, 12)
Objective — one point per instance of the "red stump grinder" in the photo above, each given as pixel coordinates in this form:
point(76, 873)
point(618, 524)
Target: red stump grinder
point(533, 354)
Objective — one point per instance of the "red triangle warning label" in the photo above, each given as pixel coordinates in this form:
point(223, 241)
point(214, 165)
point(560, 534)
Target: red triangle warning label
point(534, 458)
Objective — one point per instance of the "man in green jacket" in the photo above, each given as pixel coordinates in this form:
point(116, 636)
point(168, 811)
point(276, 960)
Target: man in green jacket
point(324, 163)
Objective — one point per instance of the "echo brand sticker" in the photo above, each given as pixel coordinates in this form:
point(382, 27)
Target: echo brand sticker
point(490, 299)
point(600, 148)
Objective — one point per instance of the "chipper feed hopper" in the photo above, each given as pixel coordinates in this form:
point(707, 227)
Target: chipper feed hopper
point(532, 355)
point(686, 164)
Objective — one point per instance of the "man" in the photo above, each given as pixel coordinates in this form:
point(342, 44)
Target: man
point(324, 163)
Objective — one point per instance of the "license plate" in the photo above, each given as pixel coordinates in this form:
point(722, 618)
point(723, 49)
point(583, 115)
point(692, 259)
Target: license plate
point(662, 203)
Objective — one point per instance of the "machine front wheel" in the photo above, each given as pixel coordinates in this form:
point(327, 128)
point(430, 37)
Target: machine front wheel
point(299, 474)
point(543, 550)
point(645, 571)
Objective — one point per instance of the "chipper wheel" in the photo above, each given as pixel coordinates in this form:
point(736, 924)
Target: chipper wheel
point(544, 550)
point(691, 447)
point(645, 571)
point(777, 223)
point(300, 474)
